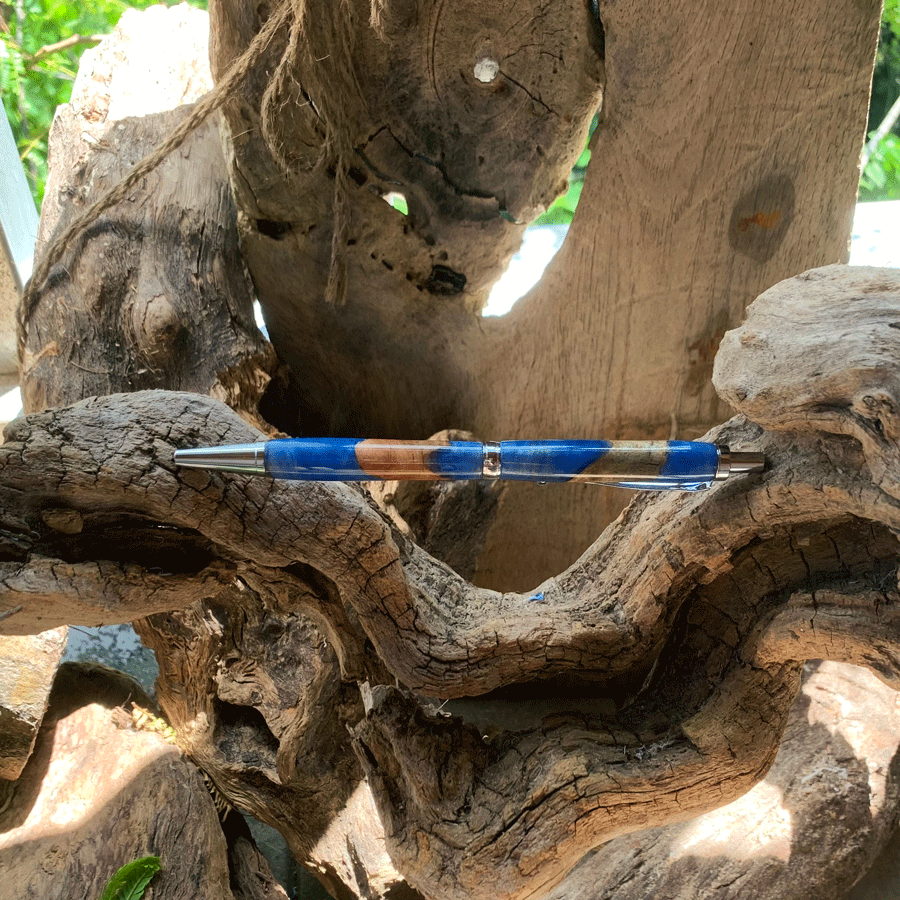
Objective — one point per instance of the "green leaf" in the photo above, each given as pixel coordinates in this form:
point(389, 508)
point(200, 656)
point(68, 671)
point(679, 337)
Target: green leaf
point(556, 215)
point(132, 879)
point(398, 201)
point(881, 179)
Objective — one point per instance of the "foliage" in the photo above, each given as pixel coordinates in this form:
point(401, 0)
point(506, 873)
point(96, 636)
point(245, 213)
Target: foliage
point(563, 208)
point(887, 58)
point(33, 81)
point(130, 882)
point(881, 179)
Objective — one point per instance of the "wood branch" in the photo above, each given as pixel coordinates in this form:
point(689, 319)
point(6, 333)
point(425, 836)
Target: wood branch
point(836, 765)
point(252, 683)
point(887, 123)
point(685, 625)
point(695, 612)
point(444, 790)
point(73, 40)
point(801, 379)
point(91, 797)
point(255, 692)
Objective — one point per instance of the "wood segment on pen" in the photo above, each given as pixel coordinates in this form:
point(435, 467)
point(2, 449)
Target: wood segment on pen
point(400, 459)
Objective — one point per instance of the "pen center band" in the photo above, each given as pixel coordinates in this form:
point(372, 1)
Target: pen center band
point(490, 467)
point(724, 469)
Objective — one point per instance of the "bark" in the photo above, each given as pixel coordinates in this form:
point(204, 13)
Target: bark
point(684, 626)
point(27, 667)
point(723, 594)
point(155, 293)
point(810, 828)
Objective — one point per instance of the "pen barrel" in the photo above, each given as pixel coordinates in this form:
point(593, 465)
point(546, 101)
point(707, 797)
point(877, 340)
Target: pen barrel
point(679, 465)
point(660, 465)
point(352, 459)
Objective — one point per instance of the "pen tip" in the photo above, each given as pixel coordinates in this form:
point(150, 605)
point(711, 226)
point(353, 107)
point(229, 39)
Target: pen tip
point(744, 463)
point(247, 458)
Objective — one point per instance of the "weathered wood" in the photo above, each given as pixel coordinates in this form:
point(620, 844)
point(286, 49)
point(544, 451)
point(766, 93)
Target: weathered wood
point(722, 593)
point(467, 162)
point(243, 670)
point(809, 829)
point(99, 793)
point(156, 293)
point(686, 623)
point(834, 369)
point(589, 353)
point(254, 688)
point(27, 667)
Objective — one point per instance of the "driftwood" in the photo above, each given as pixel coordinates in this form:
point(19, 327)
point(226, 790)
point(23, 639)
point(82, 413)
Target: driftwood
point(620, 336)
point(699, 608)
point(706, 188)
point(818, 819)
point(310, 650)
point(156, 293)
point(27, 667)
point(89, 802)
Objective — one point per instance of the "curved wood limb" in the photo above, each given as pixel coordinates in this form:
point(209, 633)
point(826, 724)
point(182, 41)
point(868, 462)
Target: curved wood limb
point(693, 613)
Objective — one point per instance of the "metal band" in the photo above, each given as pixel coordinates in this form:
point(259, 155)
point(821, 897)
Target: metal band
point(724, 469)
point(490, 467)
point(738, 463)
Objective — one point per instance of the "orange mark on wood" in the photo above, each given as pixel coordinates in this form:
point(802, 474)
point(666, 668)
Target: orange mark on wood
point(764, 220)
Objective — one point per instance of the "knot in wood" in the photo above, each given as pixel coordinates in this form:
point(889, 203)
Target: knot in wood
point(156, 324)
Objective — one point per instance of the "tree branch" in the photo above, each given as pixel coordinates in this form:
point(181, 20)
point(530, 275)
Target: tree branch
point(887, 123)
point(694, 612)
point(74, 40)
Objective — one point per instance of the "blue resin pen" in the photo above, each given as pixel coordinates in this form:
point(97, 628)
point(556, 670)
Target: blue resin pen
point(640, 465)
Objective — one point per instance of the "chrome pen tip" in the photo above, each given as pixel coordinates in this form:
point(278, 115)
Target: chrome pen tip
point(744, 463)
point(249, 459)
point(738, 463)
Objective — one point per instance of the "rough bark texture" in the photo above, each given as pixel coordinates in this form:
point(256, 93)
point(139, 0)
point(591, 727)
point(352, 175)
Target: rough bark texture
point(155, 293)
point(806, 376)
point(399, 108)
point(724, 594)
point(809, 829)
point(680, 226)
point(98, 792)
point(306, 640)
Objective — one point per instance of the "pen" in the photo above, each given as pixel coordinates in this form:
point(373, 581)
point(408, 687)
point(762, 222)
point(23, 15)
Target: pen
point(641, 465)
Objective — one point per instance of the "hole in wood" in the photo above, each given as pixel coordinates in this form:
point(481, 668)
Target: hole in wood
point(398, 201)
point(486, 70)
point(272, 229)
point(444, 280)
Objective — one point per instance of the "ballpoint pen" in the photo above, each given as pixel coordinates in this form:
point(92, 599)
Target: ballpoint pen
point(641, 465)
